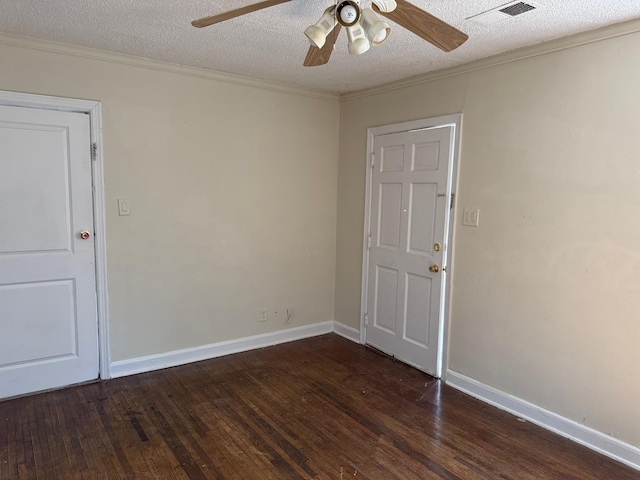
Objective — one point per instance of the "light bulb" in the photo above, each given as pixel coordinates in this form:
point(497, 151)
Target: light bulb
point(348, 14)
point(380, 37)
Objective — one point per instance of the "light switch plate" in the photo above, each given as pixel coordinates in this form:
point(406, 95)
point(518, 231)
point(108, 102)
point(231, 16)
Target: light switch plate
point(471, 216)
point(123, 207)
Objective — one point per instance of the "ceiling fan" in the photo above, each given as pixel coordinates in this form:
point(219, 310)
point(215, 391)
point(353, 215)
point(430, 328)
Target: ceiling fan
point(364, 27)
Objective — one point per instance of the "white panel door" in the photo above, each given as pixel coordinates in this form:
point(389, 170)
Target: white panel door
point(409, 206)
point(48, 319)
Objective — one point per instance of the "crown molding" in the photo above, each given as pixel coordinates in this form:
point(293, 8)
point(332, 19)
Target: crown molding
point(579, 39)
point(130, 60)
point(585, 38)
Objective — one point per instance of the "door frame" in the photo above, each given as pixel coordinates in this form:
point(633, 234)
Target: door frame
point(94, 110)
point(454, 121)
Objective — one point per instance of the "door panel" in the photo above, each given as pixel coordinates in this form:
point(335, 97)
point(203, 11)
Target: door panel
point(417, 308)
point(48, 313)
point(392, 159)
point(390, 215)
point(40, 221)
point(422, 221)
point(386, 298)
point(408, 217)
point(44, 307)
point(426, 157)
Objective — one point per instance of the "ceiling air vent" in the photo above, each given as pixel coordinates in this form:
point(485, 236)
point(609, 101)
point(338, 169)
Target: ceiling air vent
point(503, 12)
point(517, 9)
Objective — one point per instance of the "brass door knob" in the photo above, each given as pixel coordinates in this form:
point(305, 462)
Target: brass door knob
point(84, 234)
point(434, 268)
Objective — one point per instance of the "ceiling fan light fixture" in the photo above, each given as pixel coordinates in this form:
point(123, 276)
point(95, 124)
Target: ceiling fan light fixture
point(376, 29)
point(318, 32)
point(358, 41)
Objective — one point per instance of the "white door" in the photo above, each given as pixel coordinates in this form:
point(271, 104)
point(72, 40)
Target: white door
point(409, 209)
point(48, 319)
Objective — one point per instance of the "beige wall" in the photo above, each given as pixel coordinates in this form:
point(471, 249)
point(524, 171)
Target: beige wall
point(546, 296)
point(233, 194)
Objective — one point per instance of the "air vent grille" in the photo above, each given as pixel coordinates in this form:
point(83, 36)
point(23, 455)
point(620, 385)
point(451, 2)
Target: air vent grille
point(517, 9)
point(504, 12)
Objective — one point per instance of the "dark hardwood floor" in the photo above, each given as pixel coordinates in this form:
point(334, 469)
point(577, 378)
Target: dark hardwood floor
point(317, 408)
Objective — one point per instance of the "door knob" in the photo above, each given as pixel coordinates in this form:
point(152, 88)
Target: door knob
point(434, 268)
point(84, 234)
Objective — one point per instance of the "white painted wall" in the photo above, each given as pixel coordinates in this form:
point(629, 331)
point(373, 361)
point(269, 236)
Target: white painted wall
point(232, 192)
point(545, 301)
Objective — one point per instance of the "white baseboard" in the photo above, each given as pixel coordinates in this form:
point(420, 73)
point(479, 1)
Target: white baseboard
point(593, 439)
point(346, 331)
point(205, 352)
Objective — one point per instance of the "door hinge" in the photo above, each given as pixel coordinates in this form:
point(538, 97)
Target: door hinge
point(453, 198)
point(369, 242)
point(366, 319)
point(94, 151)
point(373, 160)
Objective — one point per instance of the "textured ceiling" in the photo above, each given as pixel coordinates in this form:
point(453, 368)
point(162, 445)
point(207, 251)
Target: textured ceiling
point(270, 44)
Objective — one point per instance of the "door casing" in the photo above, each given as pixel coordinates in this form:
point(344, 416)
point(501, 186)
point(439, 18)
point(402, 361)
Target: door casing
point(94, 110)
point(455, 121)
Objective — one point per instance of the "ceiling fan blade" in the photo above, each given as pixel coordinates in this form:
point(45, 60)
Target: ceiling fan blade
point(425, 25)
point(206, 21)
point(320, 56)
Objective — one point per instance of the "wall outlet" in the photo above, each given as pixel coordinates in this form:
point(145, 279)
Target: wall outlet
point(264, 315)
point(291, 315)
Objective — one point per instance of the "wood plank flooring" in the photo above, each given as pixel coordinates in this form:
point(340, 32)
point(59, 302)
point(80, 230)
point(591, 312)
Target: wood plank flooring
point(321, 408)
